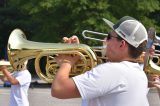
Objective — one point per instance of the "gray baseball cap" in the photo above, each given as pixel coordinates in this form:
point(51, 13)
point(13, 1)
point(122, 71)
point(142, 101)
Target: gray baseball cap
point(130, 29)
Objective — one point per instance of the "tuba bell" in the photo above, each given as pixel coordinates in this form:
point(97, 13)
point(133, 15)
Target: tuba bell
point(20, 49)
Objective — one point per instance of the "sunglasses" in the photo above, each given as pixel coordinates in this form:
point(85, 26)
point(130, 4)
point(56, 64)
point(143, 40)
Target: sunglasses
point(110, 36)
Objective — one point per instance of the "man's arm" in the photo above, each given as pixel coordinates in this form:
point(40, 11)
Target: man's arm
point(64, 87)
point(8, 75)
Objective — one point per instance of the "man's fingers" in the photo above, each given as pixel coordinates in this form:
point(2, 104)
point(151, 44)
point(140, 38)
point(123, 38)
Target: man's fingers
point(66, 40)
point(75, 39)
point(2, 67)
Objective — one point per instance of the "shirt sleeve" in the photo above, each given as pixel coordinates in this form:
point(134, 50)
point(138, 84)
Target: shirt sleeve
point(99, 81)
point(23, 77)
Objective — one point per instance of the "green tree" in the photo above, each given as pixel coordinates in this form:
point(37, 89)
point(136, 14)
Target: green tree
point(147, 11)
point(50, 20)
point(57, 18)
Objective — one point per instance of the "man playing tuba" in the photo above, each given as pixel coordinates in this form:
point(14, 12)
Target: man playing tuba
point(120, 81)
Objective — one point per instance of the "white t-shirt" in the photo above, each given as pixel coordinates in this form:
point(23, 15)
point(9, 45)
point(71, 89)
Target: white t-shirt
point(19, 92)
point(113, 84)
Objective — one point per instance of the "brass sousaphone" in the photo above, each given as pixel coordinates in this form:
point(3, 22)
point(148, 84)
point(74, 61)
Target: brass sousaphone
point(20, 49)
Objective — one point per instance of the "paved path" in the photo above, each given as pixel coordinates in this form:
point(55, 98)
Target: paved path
point(40, 95)
point(153, 97)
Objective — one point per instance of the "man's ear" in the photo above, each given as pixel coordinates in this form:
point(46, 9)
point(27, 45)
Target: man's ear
point(123, 43)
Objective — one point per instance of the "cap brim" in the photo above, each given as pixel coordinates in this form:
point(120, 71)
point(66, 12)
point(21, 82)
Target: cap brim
point(108, 22)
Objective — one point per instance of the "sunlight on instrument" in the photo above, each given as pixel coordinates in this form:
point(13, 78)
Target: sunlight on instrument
point(20, 50)
point(152, 68)
point(99, 50)
point(9, 67)
point(103, 35)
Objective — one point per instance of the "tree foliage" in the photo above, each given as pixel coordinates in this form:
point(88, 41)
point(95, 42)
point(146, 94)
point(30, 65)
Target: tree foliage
point(50, 20)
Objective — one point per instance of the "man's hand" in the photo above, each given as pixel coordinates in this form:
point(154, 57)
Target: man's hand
point(71, 59)
point(60, 59)
point(73, 39)
point(3, 67)
point(154, 81)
